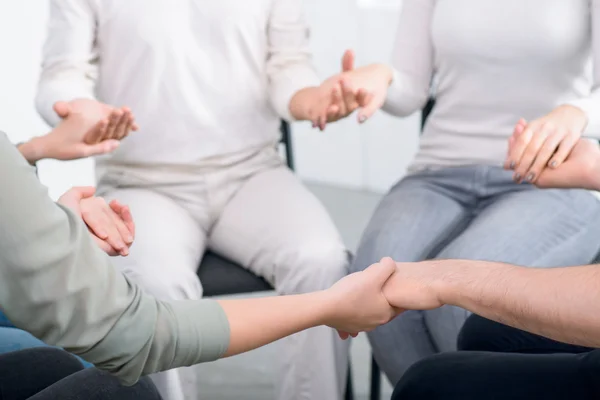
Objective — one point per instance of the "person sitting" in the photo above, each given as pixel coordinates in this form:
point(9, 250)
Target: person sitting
point(57, 284)
point(535, 332)
point(492, 63)
point(208, 83)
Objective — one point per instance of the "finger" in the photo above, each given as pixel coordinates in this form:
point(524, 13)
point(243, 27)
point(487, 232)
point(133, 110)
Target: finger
point(62, 109)
point(362, 97)
point(368, 111)
point(134, 125)
point(121, 128)
point(383, 269)
point(122, 228)
point(520, 145)
point(564, 149)
point(96, 223)
point(517, 131)
point(104, 246)
point(348, 61)
point(96, 133)
point(125, 213)
point(355, 334)
point(105, 147)
point(543, 157)
point(336, 98)
point(343, 335)
point(115, 236)
point(113, 120)
point(349, 98)
point(531, 152)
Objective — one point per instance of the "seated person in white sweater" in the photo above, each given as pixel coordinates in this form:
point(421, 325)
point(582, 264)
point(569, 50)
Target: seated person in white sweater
point(208, 83)
point(494, 62)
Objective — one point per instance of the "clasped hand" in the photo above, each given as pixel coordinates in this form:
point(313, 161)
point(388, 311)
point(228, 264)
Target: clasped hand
point(111, 225)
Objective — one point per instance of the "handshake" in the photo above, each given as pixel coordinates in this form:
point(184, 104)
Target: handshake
point(362, 301)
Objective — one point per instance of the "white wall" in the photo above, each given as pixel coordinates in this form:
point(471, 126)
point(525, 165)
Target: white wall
point(370, 157)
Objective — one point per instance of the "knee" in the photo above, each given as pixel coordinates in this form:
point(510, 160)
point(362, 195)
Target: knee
point(316, 266)
point(165, 283)
point(478, 334)
point(423, 380)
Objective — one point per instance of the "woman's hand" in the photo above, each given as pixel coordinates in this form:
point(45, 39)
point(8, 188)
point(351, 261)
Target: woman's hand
point(545, 142)
point(111, 225)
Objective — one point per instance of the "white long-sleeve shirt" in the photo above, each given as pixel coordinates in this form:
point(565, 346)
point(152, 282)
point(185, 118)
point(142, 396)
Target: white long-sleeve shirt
point(494, 61)
point(203, 77)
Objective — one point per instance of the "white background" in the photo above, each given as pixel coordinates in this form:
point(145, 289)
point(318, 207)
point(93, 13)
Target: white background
point(369, 157)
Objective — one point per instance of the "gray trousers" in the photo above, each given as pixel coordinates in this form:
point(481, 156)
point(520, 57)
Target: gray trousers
point(471, 212)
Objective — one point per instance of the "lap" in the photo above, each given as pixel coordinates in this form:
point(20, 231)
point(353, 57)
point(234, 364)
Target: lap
point(479, 375)
point(532, 227)
point(482, 334)
point(168, 245)
point(274, 224)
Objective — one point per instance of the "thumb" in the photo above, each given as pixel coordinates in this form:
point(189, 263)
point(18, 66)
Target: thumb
point(520, 127)
point(104, 147)
point(383, 270)
point(348, 61)
point(62, 109)
point(83, 192)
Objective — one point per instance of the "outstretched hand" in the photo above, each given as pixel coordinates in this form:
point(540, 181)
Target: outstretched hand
point(359, 303)
point(111, 225)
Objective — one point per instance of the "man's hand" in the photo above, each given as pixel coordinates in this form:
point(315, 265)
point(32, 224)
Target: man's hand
point(414, 286)
point(111, 225)
point(88, 128)
point(331, 101)
point(545, 142)
point(580, 170)
point(357, 302)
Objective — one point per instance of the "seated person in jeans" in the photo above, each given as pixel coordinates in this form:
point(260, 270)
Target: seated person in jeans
point(108, 224)
point(551, 316)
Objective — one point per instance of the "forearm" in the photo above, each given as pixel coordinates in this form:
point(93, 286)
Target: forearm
point(559, 303)
point(256, 322)
point(33, 150)
point(57, 284)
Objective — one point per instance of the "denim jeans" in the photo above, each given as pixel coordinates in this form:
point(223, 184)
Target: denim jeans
point(13, 339)
point(49, 373)
point(471, 212)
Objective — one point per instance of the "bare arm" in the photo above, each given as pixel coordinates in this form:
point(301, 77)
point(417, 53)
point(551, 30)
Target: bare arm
point(559, 303)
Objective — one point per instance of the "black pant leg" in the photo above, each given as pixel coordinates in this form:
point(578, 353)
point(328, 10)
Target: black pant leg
point(93, 384)
point(500, 376)
point(26, 372)
point(481, 334)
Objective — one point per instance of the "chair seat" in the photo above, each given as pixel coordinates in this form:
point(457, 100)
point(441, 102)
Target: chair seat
point(221, 277)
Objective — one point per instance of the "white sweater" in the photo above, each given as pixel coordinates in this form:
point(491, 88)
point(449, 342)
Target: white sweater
point(494, 61)
point(203, 77)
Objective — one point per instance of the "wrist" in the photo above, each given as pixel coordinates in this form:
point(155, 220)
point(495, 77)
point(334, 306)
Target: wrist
point(34, 150)
point(299, 107)
point(387, 72)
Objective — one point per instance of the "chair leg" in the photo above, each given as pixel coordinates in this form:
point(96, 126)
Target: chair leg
point(375, 380)
point(349, 384)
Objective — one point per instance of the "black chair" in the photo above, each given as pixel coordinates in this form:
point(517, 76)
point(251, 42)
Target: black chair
point(375, 370)
point(221, 277)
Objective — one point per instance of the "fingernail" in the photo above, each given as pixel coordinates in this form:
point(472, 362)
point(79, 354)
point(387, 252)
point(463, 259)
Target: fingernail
point(512, 165)
point(517, 177)
point(553, 164)
point(129, 239)
point(362, 119)
point(530, 177)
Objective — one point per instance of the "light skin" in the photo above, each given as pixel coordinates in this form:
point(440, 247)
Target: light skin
point(88, 128)
point(558, 303)
point(354, 304)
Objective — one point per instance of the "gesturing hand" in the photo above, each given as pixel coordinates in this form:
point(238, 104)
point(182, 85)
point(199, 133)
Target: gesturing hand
point(111, 225)
point(88, 128)
point(545, 142)
point(358, 301)
point(329, 102)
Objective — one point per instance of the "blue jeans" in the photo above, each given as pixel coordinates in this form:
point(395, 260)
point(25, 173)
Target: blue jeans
point(471, 212)
point(13, 339)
